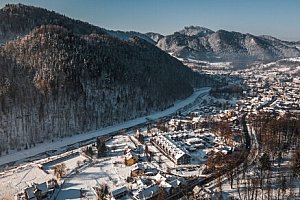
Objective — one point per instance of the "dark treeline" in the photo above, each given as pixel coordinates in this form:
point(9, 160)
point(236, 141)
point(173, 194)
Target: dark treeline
point(18, 20)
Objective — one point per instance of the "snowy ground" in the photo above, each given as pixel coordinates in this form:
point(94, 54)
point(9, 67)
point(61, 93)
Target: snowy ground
point(244, 188)
point(57, 145)
point(70, 161)
point(247, 185)
point(15, 181)
point(109, 170)
point(89, 173)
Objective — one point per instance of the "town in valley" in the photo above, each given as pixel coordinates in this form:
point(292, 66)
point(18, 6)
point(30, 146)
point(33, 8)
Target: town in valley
point(93, 113)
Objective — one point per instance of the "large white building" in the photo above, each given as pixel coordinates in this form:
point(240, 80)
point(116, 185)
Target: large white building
point(177, 154)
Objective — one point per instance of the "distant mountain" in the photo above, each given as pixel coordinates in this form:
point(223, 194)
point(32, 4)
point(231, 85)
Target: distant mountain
point(60, 76)
point(195, 31)
point(126, 35)
point(154, 36)
point(204, 44)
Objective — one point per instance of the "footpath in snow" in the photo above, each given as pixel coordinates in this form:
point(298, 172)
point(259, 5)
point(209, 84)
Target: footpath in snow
point(56, 145)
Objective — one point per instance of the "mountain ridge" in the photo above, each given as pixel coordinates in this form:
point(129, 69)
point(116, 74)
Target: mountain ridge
point(204, 44)
point(191, 42)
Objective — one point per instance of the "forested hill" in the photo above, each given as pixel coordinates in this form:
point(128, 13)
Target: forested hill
point(17, 20)
point(56, 81)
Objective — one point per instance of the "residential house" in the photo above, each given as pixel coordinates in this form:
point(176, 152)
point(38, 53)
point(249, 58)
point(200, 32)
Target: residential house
point(131, 158)
point(37, 191)
point(137, 170)
point(147, 193)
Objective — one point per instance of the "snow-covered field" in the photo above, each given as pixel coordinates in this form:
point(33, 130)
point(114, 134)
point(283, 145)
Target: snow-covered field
point(70, 161)
point(245, 187)
point(40, 148)
point(15, 181)
point(109, 170)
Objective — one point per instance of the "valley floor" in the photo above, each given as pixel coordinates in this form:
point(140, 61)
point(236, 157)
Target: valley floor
point(16, 178)
point(62, 143)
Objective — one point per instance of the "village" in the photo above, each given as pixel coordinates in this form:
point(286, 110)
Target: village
point(270, 100)
point(180, 155)
point(158, 160)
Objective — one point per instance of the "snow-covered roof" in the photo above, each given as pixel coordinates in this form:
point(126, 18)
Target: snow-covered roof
point(172, 147)
point(130, 155)
point(149, 192)
point(166, 186)
point(180, 154)
point(224, 151)
point(174, 183)
point(159, 177)
point(194, 140)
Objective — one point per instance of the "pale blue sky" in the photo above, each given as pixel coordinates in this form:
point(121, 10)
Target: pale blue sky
point(280, 18)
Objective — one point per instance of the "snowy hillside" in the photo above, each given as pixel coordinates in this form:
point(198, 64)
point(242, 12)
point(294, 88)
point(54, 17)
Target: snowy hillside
point(241, 49)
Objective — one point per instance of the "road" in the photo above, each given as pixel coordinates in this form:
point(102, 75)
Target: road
point(63, 144)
